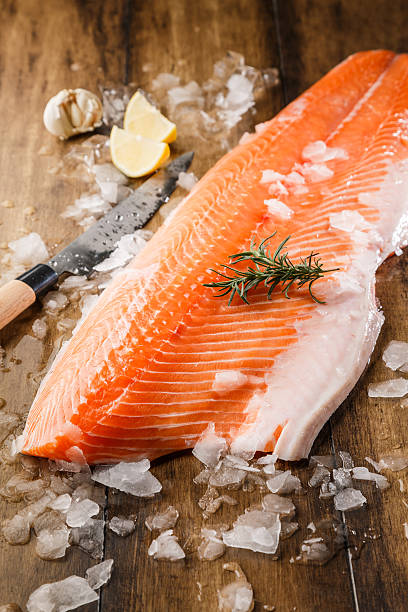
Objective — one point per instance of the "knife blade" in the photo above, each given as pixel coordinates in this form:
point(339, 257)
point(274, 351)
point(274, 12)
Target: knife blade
point(96, 243)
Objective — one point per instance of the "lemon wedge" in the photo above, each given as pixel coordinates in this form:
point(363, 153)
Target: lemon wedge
point(135, 155)
point(144, 119)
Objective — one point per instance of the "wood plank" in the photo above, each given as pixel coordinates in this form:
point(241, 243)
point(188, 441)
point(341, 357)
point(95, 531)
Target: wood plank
point(38, 45)
point(361, 425)
point(175, 38)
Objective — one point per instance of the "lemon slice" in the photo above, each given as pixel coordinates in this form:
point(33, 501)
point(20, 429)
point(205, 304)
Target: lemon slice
point(144, 119)
point(135, 155)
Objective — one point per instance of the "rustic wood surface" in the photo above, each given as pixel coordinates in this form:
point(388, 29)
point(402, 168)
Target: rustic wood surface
point(114, 41)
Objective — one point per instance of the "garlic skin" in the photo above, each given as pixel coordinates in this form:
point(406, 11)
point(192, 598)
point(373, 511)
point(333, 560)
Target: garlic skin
point(72, 111)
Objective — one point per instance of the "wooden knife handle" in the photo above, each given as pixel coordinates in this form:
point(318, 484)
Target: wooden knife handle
point(15, 297)
point(19, 294)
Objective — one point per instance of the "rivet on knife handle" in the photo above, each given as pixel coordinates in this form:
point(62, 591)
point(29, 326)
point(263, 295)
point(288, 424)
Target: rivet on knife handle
point(19, 294)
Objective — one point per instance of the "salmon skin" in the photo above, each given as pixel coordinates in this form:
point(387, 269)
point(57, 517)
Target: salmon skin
point(159, 357)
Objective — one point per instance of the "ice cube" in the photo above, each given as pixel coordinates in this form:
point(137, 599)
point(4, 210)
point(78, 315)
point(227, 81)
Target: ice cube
point(85, 207)
point(348, 221)
point(255, 530)
point(62, 503)
point(268, 459)
point(319, 476)
point(270, 176)
point(85, 490)
point(318, 151)
point(396, 387)
point(347, 461)
point(280, 505)
point(17, 530)
point(212, 547)
point(315, 172)
point(239, 463)
point(29, 250)
point(316, 551)
point(19, 485)
point(114, 102)
point(328, 461)
point(121, 526)
point(406, 530)
point(108, 173)
point(396, 354)
point(228, 380)
point(80, 512)
point(8, 422)
point(166, 547)
point(362, 473)
point(342, 478)
point(89, 538)
point(349, 499)
point(276, 208)
point(53, 302)
point(100, 574)
point(162, 520)
point(190, 95)
point(31, 511)
point(327, 489)
point(52, 544)
point(50, 519)
point(237, 596)
point(284, 483)
point(187, 180)
point(133, 478)
point(375, 465)
point(39, 328)
point(288, 529)
point(60, 485)
point(211, 501)
point(109, 191)
point(61, 596)
point(393, 463)
point(210, 447)
point(127, 247)
point(226, 476)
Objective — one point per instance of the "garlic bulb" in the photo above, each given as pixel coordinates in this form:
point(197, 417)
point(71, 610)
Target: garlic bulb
point(72, 111)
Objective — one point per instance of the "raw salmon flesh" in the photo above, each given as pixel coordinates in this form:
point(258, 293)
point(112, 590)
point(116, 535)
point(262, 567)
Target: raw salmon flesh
point(160, 357)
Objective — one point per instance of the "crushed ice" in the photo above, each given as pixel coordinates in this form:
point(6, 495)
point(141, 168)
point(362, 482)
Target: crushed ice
point(99, 574)
point(122, 526)
point(256, 530)
point(396, 387)
point(187, 180)
point(162, 520)
point(236, 596)
point(61, 596)
point(349, 499)
point(166, 547)
point(133, 478)
point(210, 447)
point(395, 355)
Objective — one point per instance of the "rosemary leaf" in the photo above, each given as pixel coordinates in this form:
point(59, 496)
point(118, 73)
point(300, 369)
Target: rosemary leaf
point(271, 269)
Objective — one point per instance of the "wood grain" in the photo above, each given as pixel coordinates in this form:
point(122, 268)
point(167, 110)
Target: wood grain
point(127, 41)
point(39, 43)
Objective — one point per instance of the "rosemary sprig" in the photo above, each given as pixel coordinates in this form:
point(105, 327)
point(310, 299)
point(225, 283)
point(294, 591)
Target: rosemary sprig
point(269, 269)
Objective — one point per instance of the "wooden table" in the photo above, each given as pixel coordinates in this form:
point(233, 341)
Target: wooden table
point(113, 41)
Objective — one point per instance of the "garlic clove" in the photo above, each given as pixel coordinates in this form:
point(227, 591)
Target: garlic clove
point(72, 111)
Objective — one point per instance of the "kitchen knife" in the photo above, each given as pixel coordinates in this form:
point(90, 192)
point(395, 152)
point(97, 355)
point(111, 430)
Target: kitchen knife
point(96, 244)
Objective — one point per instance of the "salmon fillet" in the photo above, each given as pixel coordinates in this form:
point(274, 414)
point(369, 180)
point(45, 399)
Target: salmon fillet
point(159, 357)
